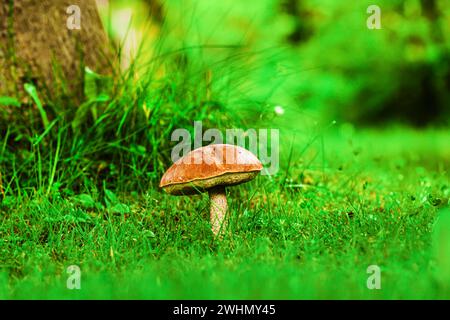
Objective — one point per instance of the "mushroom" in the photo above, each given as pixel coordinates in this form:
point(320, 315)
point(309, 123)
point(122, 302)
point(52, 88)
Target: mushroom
point(211, 169)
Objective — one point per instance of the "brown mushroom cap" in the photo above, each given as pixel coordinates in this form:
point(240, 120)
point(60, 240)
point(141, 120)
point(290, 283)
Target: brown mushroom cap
point(208, 167)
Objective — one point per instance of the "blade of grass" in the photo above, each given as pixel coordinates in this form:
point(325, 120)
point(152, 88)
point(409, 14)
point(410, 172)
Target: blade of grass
point(31, 90)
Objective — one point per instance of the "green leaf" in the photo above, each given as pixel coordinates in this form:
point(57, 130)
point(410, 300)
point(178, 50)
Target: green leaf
point(149, 233)
point(96, 87)
point(111, 198)
point(9, 102)
point(80, 114)
point(31, 90)
point(138, 149)
point(85, 200)
point(119, 208)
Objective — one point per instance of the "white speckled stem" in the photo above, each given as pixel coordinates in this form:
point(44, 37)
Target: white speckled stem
point(218, 209)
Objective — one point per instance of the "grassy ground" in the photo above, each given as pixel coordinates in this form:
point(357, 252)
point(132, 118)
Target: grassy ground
point(371, 198)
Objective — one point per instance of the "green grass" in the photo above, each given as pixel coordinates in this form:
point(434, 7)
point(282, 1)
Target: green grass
point(372, 197)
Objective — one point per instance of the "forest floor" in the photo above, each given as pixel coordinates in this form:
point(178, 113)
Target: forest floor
point(374, 201)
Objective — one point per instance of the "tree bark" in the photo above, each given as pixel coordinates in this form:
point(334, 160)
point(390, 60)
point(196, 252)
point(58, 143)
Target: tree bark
point(37, 46)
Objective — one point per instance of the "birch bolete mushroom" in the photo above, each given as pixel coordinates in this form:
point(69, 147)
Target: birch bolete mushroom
point(211, 169)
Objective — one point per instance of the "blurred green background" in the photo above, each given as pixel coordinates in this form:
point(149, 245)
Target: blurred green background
point(316, 59)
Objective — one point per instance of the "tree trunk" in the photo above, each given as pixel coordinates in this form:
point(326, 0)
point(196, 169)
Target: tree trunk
point(37, 46)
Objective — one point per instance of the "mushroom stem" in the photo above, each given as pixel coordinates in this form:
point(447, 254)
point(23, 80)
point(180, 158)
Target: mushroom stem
point(218, 209)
